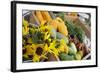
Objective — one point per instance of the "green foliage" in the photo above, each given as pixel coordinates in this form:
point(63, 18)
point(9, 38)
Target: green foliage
point(37, 37)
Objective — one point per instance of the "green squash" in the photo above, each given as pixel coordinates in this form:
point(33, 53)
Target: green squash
point(53, 33)
point(66, 57)
point(72, 49)
point(61, 36)
point(79, 55)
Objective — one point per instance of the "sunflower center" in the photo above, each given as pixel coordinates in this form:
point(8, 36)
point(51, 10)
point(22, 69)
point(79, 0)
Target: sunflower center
point(39, 51)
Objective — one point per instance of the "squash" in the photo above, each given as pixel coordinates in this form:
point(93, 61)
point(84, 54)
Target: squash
point(61, 36)
point(53, 33)
point(79, 55)
point(72, 49)
point(61, 27)
point(66, 57)
point(54, 23)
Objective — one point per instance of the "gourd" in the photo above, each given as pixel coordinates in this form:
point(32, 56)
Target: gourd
point(66, 57)
point(72, 49)
point(61, 36)
point(61, 27)
point(53, 33)
point(79, 55)
point(54, 23)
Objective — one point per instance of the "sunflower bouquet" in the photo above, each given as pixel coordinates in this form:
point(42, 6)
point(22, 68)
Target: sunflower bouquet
point(39, 41)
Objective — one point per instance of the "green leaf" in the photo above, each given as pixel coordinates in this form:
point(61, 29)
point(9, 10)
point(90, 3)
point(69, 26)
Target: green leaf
point(37, 37)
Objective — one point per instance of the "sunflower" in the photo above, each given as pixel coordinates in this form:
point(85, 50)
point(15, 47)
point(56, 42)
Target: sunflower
point(40, 43)
point(51, 48)
point(46, 29)
point(38, 52)
point(27, 51)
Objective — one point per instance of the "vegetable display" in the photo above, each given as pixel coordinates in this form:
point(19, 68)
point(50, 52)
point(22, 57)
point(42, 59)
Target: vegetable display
point(54, 39)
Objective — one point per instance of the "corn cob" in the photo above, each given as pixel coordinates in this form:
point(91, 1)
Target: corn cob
point(39, 16)
point(46, 15)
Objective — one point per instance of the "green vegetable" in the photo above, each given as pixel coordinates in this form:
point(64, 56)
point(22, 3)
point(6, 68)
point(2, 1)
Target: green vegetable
point(75, 30)
point(61, 36)
point(80, 33)
point(66, 57)
point(72, 49)
point(53, 33)
point(70, 27)
point(79, 55)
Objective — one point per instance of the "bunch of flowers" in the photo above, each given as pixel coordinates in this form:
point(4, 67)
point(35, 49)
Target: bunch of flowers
point(39, 41)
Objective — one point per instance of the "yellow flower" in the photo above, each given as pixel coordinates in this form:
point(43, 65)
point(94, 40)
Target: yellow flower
point(25, 29)
point(62, 41)
point(36, 50)
point(29, 40)
point(39, 52)
point(25, 23)
point(29, 49)
point(51, 48)
point(46, 36)
point(36, 58)
point(66, 49)
point(63, 46)
point(45, 27)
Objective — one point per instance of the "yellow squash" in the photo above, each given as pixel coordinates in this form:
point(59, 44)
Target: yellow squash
point(54, 23)
point(61, 27)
